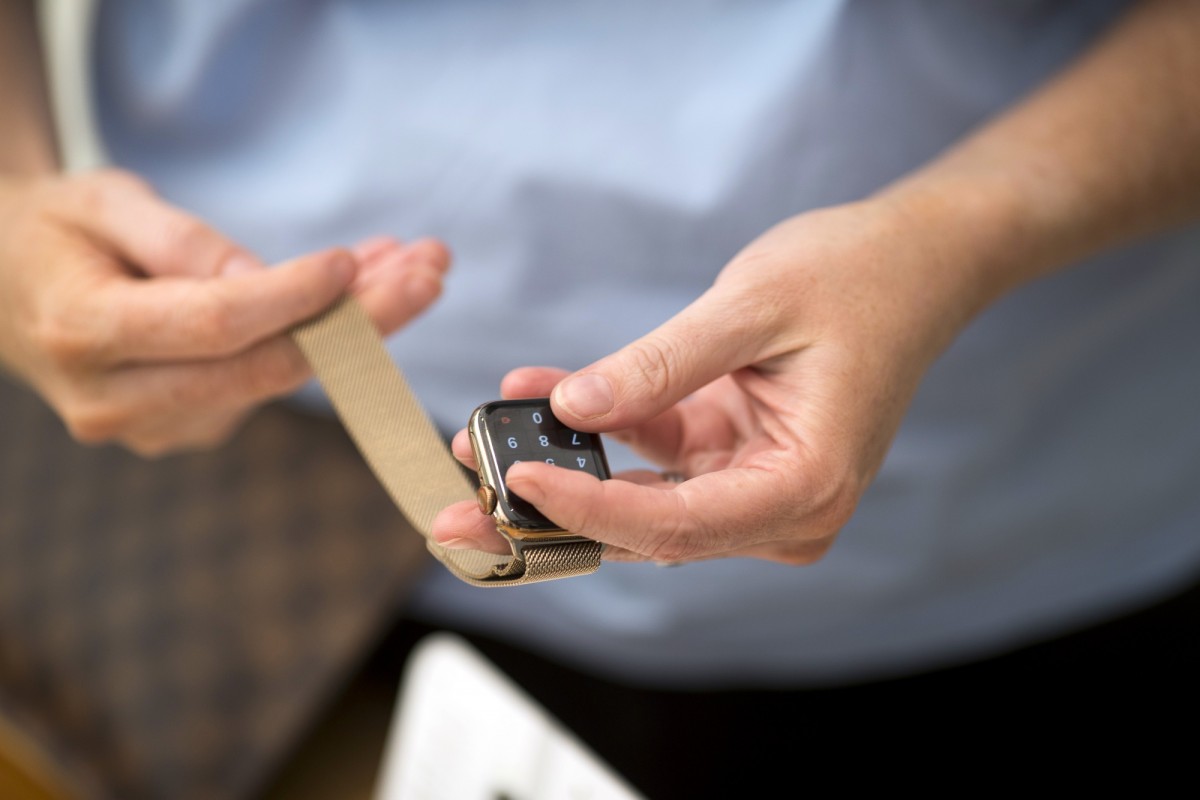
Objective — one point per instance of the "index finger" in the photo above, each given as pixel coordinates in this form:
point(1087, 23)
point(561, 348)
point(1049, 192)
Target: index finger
point(176, 318)
point(125, 214)
point(712, 514)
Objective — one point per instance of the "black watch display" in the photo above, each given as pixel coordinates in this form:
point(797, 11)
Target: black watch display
point(506, 432)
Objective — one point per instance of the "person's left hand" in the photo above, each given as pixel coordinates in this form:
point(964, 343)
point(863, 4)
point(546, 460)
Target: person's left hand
point(775, 394)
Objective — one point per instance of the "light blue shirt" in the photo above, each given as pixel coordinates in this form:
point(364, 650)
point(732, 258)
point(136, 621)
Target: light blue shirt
point(593, 164)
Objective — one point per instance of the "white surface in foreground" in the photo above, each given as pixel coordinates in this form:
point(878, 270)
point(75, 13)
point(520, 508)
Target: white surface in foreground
point(462, 730)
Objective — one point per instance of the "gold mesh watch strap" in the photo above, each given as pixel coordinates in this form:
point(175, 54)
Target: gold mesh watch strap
point(406, 452)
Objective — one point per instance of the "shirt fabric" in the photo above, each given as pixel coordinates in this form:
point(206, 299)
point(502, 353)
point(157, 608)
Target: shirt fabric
point(592, 165)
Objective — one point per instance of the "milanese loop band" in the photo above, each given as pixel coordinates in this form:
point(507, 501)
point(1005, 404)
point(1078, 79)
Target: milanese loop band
point(408, 455)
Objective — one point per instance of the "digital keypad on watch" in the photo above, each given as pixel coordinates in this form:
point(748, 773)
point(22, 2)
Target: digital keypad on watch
point(531, 433)
point(527, 430)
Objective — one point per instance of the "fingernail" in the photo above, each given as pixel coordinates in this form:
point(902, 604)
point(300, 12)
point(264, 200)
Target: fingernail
point(585, 396)
point(459, 544)
point(422, 287)
point(240, 264)
point(430, 251)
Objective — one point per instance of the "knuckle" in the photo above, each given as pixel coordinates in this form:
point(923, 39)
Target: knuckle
point(186, 245)
point(841, 508)
point(667, 551)
point(121, 180)
point(187, 394)
point(585, 517)
point(830, 495)
point(63, 343)
point(96, 191)
point(817, 496)
point(93, 424)
point(677, 547)
point(676, 538)
point(214, 435)
point(149, 447)
point(185, 233)
point(90, 195)
point(186, 238)
point(277, 368)
point(654, 362)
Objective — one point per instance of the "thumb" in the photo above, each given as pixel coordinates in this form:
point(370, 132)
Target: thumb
point(148, 233)
point(706, 340)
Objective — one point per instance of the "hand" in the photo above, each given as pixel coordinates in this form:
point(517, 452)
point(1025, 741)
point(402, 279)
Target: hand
point(776, 394)
point(141, 325)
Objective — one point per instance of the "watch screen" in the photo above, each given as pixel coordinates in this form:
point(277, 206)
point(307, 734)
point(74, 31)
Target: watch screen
point(526, 430)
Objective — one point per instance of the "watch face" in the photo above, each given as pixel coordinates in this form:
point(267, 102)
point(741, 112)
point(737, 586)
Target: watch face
point(506, 432)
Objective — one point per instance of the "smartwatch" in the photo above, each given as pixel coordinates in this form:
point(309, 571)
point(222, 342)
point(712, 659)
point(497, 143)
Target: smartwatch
point(507, 432)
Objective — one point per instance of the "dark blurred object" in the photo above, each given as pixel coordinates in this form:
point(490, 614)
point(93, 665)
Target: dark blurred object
point(169, 628)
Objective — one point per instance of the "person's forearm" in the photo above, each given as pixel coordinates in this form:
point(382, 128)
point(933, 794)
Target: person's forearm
point(27, 141)
point(1106, 152)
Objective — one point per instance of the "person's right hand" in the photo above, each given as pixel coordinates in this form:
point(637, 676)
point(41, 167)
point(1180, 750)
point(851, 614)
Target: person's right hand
point(141, 325)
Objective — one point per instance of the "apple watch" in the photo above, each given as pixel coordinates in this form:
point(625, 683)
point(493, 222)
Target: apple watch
point(507, 432)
